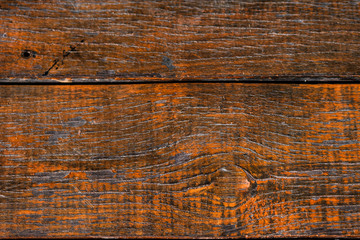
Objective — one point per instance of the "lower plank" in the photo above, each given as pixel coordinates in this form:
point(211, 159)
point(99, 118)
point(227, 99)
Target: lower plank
point(180, 160)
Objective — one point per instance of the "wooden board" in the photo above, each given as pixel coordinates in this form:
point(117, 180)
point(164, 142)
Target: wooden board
point(92, 41)
point(188, 160)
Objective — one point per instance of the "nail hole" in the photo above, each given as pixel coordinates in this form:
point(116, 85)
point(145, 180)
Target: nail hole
point(27, 54)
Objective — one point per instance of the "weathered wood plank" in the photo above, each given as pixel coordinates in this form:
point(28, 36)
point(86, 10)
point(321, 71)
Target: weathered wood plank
point(190, 160)
point(88, 40)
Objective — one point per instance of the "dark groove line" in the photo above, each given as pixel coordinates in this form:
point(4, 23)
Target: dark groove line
point(255, 80)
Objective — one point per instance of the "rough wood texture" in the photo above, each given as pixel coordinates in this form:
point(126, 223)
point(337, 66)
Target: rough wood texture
point(91, 40)
point(194, 160)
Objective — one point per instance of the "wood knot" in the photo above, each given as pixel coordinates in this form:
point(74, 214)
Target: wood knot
point(232, 181)
point(227, 182)
point(28, 54)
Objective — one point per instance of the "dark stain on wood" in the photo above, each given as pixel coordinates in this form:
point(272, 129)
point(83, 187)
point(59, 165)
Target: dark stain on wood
point(168, 63)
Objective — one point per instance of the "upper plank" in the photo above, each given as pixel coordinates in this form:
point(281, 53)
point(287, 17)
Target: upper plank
point(90, 40)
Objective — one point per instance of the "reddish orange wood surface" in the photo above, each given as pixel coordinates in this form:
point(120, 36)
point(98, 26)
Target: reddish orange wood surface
point(91, 40)
point(188, 160)
point(179, 160)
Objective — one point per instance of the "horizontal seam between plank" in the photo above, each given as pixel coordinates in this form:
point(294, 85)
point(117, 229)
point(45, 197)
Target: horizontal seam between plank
point(86, 80)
